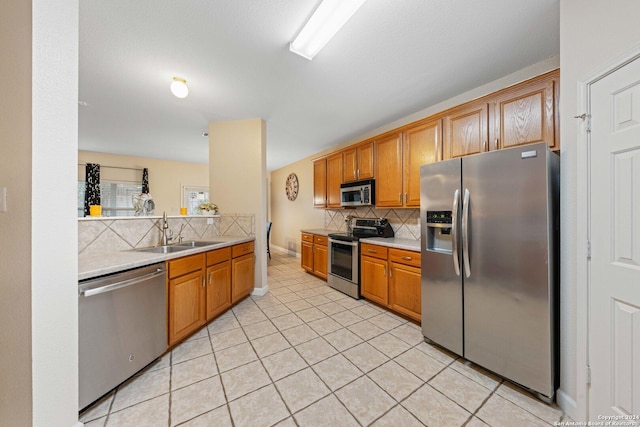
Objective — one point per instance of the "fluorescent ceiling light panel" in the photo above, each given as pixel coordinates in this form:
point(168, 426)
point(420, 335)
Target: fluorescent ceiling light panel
point(325, 22)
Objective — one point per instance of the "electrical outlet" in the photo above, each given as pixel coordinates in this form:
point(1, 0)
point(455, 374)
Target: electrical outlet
point(209, 221)
point(3, 199)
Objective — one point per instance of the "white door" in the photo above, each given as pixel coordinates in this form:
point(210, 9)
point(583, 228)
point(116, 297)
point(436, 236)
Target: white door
point(614, 324)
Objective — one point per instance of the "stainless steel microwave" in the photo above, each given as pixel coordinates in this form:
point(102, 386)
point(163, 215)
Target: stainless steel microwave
point(358, 193)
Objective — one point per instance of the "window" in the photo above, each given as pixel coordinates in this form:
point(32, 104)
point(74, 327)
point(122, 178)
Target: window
point(115, 197)
point(192, 196)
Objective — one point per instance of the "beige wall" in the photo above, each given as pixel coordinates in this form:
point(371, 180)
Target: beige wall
point(289, 217)
point(15, 224)
point(238, 177)
point(166, 177)
point(592, 34)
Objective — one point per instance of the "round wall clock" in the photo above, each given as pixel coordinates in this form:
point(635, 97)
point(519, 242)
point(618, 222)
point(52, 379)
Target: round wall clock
point(291, 187)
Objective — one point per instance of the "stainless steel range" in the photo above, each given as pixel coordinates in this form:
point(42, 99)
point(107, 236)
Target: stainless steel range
point(344, 253)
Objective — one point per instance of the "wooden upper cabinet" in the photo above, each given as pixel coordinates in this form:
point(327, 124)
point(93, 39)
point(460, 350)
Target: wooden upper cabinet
point(320, 183)
point(388, 171)
point(422, 145)
point(358, 162)
point(350, 164)
point(526, 114)
point(466, 130)
point(334, 179)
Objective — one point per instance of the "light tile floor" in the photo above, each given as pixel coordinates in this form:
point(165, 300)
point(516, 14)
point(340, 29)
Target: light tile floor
point(307, 355)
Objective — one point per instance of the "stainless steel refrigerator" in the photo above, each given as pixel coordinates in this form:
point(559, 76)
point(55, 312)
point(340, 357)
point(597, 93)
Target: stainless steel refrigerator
point(489, 226)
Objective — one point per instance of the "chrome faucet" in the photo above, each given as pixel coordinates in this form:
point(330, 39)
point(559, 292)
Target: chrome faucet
point(167, 234)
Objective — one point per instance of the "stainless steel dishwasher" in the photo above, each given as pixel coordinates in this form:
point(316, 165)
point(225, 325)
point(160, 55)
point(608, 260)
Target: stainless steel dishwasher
point(122, 321)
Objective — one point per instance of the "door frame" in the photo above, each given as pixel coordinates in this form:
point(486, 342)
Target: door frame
point(583, 226)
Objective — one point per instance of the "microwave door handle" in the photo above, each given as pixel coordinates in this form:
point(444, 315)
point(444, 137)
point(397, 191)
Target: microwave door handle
point(361, 195)
point(454, 232)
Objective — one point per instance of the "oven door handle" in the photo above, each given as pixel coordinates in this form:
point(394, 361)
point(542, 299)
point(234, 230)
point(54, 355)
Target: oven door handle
point(342, 242)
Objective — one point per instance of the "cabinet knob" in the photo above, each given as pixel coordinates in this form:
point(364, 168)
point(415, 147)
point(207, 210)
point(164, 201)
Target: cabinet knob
point(408, 258)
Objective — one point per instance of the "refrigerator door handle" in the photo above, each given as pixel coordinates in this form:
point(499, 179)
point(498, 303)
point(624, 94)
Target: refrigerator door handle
point(465, 233)
point(454, 232)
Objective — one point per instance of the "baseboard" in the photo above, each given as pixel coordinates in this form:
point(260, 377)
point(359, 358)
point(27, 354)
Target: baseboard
point(567, 404)
point(260, 291)
point(285, 251)
point(78, 424)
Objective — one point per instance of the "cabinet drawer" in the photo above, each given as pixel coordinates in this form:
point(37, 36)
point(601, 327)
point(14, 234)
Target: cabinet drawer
point(307, 237)
point(375, 251)
point(242, 249)
point(405, 257)
point(184, 265)
point(219, 255)
point(320, 240)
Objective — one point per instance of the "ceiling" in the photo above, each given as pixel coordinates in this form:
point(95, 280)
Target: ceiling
point(391, 59)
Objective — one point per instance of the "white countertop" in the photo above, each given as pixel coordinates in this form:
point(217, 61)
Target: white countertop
point(94, 265)
point(392, 242)
point(319, 231)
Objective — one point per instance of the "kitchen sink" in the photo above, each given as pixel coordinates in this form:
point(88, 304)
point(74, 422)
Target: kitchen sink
point(196, 244)
point(164, 249)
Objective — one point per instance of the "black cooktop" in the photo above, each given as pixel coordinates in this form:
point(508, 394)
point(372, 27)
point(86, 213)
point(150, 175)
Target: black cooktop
point(366, 227)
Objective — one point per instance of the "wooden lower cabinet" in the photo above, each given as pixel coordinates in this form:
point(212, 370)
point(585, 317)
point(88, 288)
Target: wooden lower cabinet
point(404, 290)
point(201, 287)
point(314, 254)
point(307, 255)
point(218, 289)
point(242, 282)
point(374, 280)
point(186, 297)
point(392, 278)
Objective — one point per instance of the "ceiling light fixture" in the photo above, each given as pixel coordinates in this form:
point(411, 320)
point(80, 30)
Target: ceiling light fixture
point(179, 87)
point(325, 22)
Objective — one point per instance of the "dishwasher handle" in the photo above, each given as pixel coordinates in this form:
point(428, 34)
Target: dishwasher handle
point(122, 284)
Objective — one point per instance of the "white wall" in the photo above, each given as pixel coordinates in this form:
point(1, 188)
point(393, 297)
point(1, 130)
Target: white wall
point(54, 273)
point(592, 34)
point(238, 178)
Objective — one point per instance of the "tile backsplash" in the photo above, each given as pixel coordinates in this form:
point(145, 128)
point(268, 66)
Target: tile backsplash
point(102, 235)
point(405, 222)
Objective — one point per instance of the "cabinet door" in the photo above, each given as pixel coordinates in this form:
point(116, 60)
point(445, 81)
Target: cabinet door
point(320, 261)
point(526, 114)
point(389, 171)
point(421, 145)
point(350, 165)
point(218, 289)
point(334, 179)
point(365, 161)
point(320, 183)
point(186, 305)
point(307, 256)
point(374, 279)
point(404, 290)
point(243, 277)
point(466, 130)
